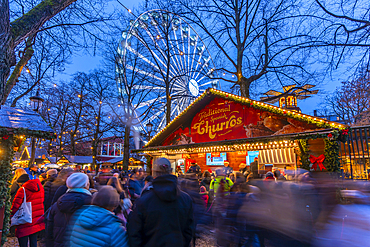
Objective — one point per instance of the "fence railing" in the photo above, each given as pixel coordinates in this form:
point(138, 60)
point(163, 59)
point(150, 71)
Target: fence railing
point(355, 155)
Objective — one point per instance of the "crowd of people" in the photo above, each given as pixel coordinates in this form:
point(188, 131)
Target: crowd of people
point(111, 208)
point(121, 208)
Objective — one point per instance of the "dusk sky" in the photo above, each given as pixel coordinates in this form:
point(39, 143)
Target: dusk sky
point(84, 62)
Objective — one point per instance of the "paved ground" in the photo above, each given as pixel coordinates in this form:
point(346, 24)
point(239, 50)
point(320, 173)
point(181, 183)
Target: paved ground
point(205, 240)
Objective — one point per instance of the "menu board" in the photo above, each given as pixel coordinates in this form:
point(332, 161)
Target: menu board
point(250, 157)
point(215, 159)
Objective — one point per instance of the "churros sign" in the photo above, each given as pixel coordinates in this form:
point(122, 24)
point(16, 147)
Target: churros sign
point(219, 118)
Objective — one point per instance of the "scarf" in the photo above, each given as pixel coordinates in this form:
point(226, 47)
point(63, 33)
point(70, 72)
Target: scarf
point(80, 190)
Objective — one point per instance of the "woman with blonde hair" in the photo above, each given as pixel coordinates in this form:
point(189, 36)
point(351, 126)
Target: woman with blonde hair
point(15, 186)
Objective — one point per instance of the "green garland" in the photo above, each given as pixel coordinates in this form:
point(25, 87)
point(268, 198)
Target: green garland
point(304, 154)
point(331, 153)
point(149, 160)
point(10, 139)
point(334, 134)
point(27, 133)
point(6, 155)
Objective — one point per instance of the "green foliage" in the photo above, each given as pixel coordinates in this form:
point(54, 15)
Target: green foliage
point(6, 155)
point(331, 153)
point(9, 139)
point(304, 154)
point(27, 133)
point(149, 160)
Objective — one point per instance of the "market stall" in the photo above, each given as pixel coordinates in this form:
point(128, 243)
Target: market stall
point(15, 126)
point(220, 126)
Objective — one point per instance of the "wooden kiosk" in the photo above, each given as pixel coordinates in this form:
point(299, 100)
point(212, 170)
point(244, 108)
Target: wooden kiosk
point(220, 126)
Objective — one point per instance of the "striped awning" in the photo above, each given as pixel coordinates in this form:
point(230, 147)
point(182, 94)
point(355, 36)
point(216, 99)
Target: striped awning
point(277, 156)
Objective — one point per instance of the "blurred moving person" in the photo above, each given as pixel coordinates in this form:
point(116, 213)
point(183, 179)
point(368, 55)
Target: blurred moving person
point(163, 216)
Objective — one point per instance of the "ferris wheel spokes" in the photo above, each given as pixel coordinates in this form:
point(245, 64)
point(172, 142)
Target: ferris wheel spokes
point(165, 49)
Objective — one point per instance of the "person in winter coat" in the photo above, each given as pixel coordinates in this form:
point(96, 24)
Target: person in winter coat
point(164, 215)
point(194, 168)
point(95, 225)
point(254, 168)
point(270, 176)
point(206, 181)
point(227, 169)
point(148, 184)
point(134, 185)
point(35, 195)
point(220, 180)
point(204, 195)
point(51, 176)
point(78, 194)
point(15, 185)
point(59, 182)
point(32, 171)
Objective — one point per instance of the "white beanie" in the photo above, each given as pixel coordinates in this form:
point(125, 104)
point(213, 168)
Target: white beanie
point(77, 180)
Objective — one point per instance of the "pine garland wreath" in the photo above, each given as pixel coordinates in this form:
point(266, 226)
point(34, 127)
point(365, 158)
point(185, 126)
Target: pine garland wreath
point(304, 154)
point(11, 140)
point(331, 153)
point(6, 155)
point(149, 164)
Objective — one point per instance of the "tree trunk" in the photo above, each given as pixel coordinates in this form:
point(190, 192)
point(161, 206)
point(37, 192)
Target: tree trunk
point(7, 57)
point(244, 87)
point(33, 151)
point(168, 109)
point(94, 153)
point(126, 148)
point(20, 29)
point(73, 145)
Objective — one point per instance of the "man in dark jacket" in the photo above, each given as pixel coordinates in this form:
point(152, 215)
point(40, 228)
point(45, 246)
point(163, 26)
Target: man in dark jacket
point(60, 181)
point(60, 213)
point(227, 169)
point(134, 185)
point(51, 176)
point(164, 215)
point(194, 168)
point(254, 168)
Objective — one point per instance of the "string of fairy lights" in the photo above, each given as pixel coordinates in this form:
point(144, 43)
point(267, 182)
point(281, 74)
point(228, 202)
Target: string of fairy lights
point(227, 148)
point(322, 123)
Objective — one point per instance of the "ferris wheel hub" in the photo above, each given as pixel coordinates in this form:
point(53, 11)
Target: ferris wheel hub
point(193, 87)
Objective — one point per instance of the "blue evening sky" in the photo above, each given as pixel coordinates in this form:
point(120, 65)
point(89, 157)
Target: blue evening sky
point(84, 63)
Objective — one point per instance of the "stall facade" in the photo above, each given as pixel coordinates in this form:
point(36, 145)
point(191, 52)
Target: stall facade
point(15, 126)
point(220, 126)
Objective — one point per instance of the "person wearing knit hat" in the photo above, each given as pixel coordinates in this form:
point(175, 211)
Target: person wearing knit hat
point(95, 225)
point(107, 197)
point(194, 168)
point(161, 166)
point(60, 213)
point(78, 180)
point(227, 169)
point(270, 176)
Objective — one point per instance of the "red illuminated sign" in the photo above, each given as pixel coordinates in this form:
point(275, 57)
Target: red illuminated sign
point(215, 154)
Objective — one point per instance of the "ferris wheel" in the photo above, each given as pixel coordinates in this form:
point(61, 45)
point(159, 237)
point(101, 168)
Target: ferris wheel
point(162, 66)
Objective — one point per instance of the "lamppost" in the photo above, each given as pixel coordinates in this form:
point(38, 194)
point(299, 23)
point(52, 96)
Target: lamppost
point(36, 103)
point(149, 128)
